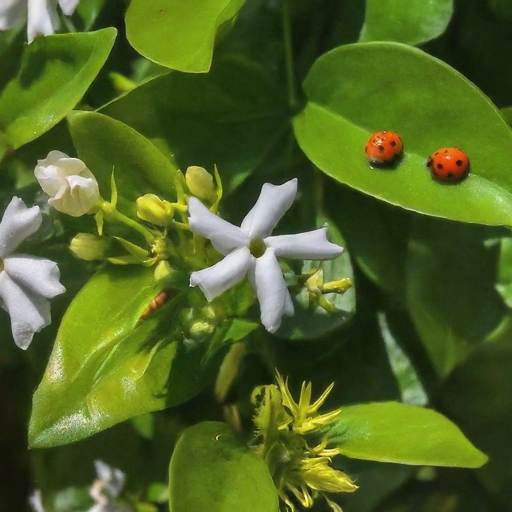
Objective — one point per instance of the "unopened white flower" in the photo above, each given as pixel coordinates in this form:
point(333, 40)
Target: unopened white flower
point(250, 251)
point(26, 282)
point(106, 487)
point(36, 502)
point(72, 187)
point(41, 15)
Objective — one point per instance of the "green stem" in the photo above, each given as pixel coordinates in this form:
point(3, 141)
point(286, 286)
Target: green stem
point(111, 214)
point(293, 101)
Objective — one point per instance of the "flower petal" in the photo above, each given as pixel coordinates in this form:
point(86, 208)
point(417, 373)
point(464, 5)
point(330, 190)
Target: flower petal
point(272, 292)
point(18, 223)
point(11, 13)
point(29, 312)
point(272, 204)
point(37, 275)
point(312, 245)
point(68, 6)
point(225, 274)
point(225, 237)
point(78, 197)
point(42, 19)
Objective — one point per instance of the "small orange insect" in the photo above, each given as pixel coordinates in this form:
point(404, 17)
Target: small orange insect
point(155, 304)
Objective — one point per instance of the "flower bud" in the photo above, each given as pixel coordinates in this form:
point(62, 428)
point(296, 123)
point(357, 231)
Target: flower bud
point(200, 183)
point(87, 246)
point(72, 187)
point(154, 210)
point(163, 270)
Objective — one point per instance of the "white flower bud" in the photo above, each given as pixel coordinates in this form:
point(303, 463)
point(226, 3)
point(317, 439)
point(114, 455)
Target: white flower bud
point(72, 187)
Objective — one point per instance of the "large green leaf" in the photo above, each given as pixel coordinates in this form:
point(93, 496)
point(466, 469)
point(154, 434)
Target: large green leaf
point(107, 365)
point(358, 89)
point(108, 145)
point(211, 469)
point(55, 73)
point(232, 117)
point(450, 288)
point(406, 434)
point(177, 34)
point(418, 22)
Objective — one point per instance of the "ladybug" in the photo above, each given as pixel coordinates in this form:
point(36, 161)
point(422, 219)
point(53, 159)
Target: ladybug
point(449, 164)
point(383, 147)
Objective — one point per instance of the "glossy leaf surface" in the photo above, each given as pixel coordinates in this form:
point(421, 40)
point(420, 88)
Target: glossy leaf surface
point(418, 22)
point(107, 146)
point(55, 73)
point(177, 34)
point(359, 89)
point(211, 469)
point(405, 434)
point(107, 365)
point(232, 117)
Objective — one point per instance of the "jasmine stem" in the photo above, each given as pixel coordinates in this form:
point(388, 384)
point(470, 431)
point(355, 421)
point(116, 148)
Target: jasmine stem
point(114, 215)
point(288, 54)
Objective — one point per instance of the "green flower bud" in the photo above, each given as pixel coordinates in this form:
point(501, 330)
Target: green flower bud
point(200, 183)
point(154, 210)
point(89, 247)
point(162, 270)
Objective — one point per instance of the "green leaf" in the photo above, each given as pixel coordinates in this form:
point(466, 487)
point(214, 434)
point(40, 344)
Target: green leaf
point(359, 89)
point(177, 34)
point(380, 253)
point(108, 366)
point(232, 117)
point(310, 320)
point(452, 319)
point(107, 145)
point(405, 434)
point(211, 469)
point(55, 73)
point(419, 22)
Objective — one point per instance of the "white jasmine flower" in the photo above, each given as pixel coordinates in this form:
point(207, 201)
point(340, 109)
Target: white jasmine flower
point(26, 282)
point(250, 251)
point(41, 15)
point(106, 487)
point(72, 187)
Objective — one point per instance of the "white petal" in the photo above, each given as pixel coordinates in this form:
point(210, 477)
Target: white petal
point(224, 236)
point(37, 275)
point(112, 478)
point(18, 223)
point(29, 312)
point(68, 6)
point(35, 501)
point(272, 204)
point(62, 164)
point(78, 198)
point(312, 245)
point(11, 13)
point(273, 295)
point(42, 19)
point(225, 274)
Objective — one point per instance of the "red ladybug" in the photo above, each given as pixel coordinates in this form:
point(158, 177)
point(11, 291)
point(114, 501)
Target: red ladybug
point(449, 164)
point(383, 147)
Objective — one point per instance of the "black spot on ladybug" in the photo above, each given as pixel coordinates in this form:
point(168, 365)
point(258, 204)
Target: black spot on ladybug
point(445, 151)
point(393, 143)
point(458, 163)
point(436, 153)
point(449, 175)
point(381, 148)
point(439, 166)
